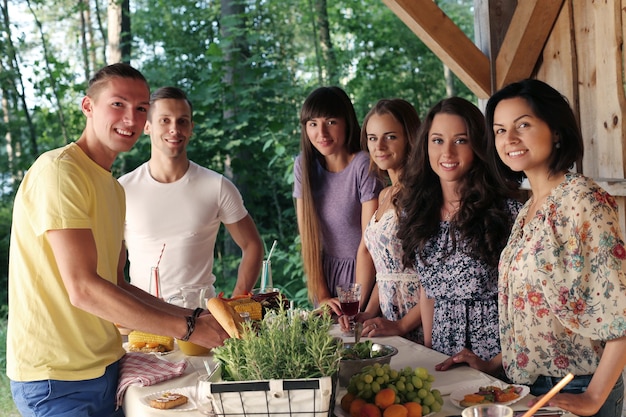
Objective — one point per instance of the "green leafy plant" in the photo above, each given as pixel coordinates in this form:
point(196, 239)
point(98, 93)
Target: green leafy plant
point(285, 345)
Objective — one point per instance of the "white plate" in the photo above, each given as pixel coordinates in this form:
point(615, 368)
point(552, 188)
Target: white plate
point(457, 396)
point(186, 391)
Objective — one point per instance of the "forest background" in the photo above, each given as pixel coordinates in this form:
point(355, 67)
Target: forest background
point(247, 66)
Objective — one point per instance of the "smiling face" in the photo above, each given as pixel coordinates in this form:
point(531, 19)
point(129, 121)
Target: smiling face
point(170, 127)
point(327, 134)
point(449, 149)
point(116, 114)
point(524, 142)
point(386, 142)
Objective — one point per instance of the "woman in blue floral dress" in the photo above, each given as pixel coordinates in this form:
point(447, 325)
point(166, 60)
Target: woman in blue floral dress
point(455, 219)
point(562, 275)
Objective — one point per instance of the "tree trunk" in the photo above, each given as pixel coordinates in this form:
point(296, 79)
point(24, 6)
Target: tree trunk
point(15, 80)
point(101, 30)
point(83, 10)
point(330, 75)
point(119, 31)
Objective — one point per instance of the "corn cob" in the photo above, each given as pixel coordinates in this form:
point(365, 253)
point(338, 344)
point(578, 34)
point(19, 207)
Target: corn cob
point(247, 305)
point(148, 342)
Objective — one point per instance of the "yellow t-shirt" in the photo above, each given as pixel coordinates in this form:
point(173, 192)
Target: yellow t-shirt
point(47, 337)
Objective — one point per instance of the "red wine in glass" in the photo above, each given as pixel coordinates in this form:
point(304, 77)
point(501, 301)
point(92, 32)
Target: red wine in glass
point(350, 308)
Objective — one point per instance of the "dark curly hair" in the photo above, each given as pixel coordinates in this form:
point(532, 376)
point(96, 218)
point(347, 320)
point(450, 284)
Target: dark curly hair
point(483, 220)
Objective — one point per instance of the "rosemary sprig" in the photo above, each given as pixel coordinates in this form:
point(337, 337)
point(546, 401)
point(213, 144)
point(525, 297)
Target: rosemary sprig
point(286, 345)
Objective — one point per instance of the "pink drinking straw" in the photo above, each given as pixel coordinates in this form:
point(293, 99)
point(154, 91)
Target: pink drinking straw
point(157, 278)
point(160, 256)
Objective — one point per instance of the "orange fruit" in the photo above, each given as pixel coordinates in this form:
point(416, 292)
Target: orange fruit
point(346, 400)
point(415, 409)
point(396, 410)
point(355, 407)
point(385, 397)
point(370, 410)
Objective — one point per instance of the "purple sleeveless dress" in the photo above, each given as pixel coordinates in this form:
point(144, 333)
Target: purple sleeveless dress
point(338, 199)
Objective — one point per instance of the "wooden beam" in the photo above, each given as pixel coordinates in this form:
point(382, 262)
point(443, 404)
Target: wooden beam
point(525, 38)
point(447, 41)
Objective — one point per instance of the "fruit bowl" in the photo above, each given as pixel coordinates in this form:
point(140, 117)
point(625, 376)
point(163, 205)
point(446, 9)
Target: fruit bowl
point(349, 367)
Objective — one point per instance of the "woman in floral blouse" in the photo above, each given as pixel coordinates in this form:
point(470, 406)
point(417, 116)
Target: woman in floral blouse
point(562, 288)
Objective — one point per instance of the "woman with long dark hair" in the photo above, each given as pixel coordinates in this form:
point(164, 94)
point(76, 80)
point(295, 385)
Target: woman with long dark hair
point(336, 195)
point(455, 219)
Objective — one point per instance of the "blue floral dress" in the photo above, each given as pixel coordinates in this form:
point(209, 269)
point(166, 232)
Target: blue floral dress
point(562, 284)
point(398, 288)
point(466, 295)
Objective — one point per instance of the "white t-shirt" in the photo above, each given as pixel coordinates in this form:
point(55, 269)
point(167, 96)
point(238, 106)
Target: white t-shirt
point(185, 216)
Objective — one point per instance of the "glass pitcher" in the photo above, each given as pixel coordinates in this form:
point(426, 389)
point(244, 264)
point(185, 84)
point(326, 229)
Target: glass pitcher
point(191, 296)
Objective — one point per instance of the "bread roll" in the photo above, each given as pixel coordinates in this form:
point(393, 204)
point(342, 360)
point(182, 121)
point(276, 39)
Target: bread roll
point(226, 316)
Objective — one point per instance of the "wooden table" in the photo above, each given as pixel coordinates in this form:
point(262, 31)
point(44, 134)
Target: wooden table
point(409, 354)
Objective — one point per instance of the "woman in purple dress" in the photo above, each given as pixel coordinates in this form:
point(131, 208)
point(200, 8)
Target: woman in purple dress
point(455, 219)
point(336, 195)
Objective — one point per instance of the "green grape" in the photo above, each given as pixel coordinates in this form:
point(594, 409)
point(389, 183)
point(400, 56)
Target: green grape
point(431, 378)
point(380, 371)
point(375, 387)
point(437, 395)
point(422, 393)
point(417, 382)
point(360, 386)
point(368, 379)
point(436, 407)
point(422, 373)
point(401, 386)
point(409, 387)
point(429, 399)
point(425, 409)
point(393, 374)
point(408, 370)
point(412, 396)
point(386, 378)
point(379, 380)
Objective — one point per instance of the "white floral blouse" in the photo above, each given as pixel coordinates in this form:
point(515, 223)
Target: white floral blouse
point(562, 284)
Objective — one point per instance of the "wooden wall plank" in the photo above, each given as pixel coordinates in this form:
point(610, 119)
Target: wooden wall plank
point(531, 24)
point(446, 41)
point(558, 66)
point(598, 37)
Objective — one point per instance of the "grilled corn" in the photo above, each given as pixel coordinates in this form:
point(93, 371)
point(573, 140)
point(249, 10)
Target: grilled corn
point(148, 342)
point(247, 305)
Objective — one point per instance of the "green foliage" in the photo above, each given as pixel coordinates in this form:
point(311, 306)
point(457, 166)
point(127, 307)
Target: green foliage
point(247, 76)
point(285, 345)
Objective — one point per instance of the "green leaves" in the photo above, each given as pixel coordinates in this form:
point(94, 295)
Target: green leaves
point(286, 345)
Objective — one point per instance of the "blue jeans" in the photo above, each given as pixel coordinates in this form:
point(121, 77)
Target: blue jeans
point(53, 398)
point(612, 407)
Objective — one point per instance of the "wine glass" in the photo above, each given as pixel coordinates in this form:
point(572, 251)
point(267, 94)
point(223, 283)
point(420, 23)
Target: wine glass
point(203, 397)
point(349, 298)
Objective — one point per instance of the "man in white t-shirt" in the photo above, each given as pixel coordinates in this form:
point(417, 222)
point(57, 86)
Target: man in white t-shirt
point(174, 208)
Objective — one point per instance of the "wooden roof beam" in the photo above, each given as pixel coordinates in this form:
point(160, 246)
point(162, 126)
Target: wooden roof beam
point(447, 41)
point(524, 40)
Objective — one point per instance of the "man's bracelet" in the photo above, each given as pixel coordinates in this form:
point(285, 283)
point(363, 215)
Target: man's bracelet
point(197, 312)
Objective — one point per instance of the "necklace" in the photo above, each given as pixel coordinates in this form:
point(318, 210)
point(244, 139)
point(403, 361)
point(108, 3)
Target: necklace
point(447, 214)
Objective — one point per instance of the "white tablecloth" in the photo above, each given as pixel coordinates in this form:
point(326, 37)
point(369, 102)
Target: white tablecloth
point(409, 354)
